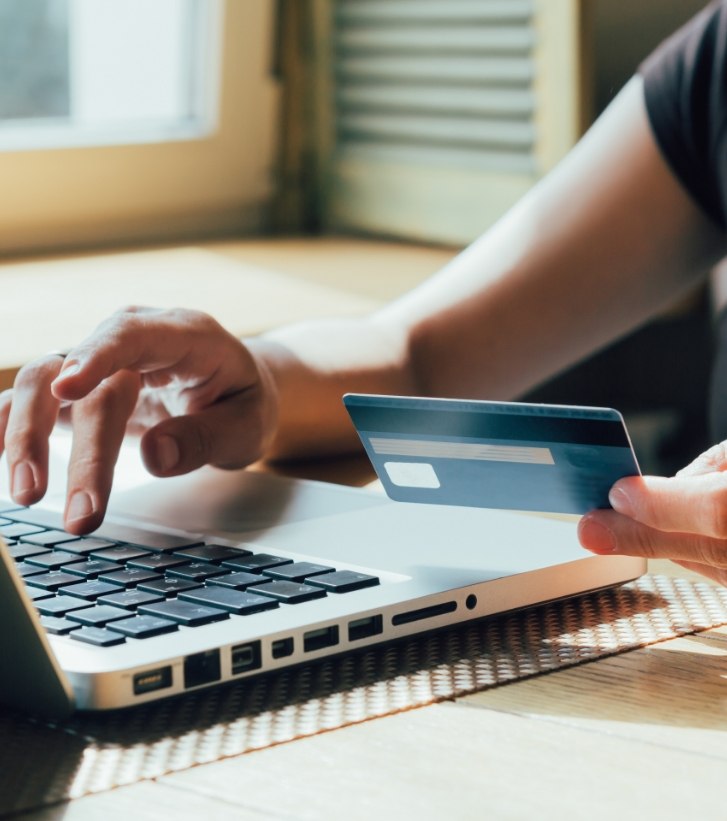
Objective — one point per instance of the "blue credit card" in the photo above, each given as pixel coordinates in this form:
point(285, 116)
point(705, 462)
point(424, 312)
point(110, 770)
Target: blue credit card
point(507, 455)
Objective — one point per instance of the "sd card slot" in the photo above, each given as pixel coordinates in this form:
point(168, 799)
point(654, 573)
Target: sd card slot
point(424, 613)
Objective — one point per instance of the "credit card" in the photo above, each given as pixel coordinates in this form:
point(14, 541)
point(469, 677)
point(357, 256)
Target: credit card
point(505, 455)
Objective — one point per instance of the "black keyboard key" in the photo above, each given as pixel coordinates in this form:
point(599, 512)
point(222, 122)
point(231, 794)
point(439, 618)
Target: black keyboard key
point(100, 636)
point(53, 560)
point(98, 616)
point(234, 601)
point(22, 551)
point(26, 569)
point(130, 599)
point(53, 580)
point(92, 568)
point(290, 592)
point(237, 581)
point(344, 581)
point(130, 576)
point(120, 553)
point(59, 605)
point(256, 562)
point(37, 593)
point(36, 516)
point(297, 571)
point(88, 545)
point(90, 590)
point(211, 553)
point(195, 571)
point(157, 561)
point(49, 538)
point(149, 539)
point(144, 627)
point(168, 587)
point(16, 530)
point(58, 626)
point(191, 615)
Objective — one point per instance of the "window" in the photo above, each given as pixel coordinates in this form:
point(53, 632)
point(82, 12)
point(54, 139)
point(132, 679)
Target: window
point(127, 120)
point(86, 72)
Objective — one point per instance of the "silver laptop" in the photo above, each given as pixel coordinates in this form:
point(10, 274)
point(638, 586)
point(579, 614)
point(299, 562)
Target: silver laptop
point(217, 576)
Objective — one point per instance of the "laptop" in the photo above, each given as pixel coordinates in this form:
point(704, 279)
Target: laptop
point(216, 576)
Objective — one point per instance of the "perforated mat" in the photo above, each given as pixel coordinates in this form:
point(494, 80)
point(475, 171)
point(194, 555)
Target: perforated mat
point(43, 763)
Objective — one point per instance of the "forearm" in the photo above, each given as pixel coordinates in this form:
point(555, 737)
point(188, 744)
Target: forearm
point(601, 244)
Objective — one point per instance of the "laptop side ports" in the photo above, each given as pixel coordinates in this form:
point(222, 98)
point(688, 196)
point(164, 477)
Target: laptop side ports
point(282, 648)
point(246, 657)
point(202, 668)
point(365, 628)
point(318, 639)
point(150, 680)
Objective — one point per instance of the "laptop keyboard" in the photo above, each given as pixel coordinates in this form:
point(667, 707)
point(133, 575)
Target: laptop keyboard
point(126, 583)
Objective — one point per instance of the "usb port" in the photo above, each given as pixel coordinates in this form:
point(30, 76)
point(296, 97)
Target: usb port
point(151, 680)
point(365, 627)
point(246, 657)
point(318, 639)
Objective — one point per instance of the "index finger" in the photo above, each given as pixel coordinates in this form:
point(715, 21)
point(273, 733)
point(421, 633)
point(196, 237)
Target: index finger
point(681, 504)
point(99, 425)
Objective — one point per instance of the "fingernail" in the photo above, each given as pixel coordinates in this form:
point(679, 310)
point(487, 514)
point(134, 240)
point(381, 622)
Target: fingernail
point(70, 368)
point(79, 507)
point(167, 452)
point(23, 478)
point(620, 501)
point(595, 537)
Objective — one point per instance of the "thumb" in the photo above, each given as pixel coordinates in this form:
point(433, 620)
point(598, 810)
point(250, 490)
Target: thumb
point(232, 433)
point(682, 504)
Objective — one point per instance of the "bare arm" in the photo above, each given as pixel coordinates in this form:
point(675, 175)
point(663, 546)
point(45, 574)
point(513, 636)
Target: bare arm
point(602, 243)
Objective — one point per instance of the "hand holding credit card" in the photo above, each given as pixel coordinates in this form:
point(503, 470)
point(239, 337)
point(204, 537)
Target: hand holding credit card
point(506, 455)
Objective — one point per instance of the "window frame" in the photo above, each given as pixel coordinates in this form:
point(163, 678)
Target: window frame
point(209, 184)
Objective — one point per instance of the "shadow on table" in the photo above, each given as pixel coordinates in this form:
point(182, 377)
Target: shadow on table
point(673, 692)
point(43, 763)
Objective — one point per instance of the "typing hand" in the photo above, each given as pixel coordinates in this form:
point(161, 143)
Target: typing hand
point(191, 389)
point(683, 518)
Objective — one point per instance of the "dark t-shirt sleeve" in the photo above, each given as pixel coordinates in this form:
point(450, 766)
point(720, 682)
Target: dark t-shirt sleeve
point(685, 84)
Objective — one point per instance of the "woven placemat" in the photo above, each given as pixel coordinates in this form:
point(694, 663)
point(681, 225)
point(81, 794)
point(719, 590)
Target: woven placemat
point(43, 763)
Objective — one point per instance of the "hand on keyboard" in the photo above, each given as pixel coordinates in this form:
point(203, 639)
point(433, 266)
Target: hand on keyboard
point(192, 390)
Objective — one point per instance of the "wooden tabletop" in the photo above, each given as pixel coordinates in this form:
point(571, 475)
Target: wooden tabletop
point(51, 303)
point(638, 735)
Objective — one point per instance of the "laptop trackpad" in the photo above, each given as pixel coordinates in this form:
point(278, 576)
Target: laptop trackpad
point(236, 501)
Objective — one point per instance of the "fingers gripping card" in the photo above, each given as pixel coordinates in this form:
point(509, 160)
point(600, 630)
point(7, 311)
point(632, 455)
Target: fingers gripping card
point(508, 455)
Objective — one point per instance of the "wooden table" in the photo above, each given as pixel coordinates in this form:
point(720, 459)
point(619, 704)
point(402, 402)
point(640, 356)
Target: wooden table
point(640, 735)
point(249, 286)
